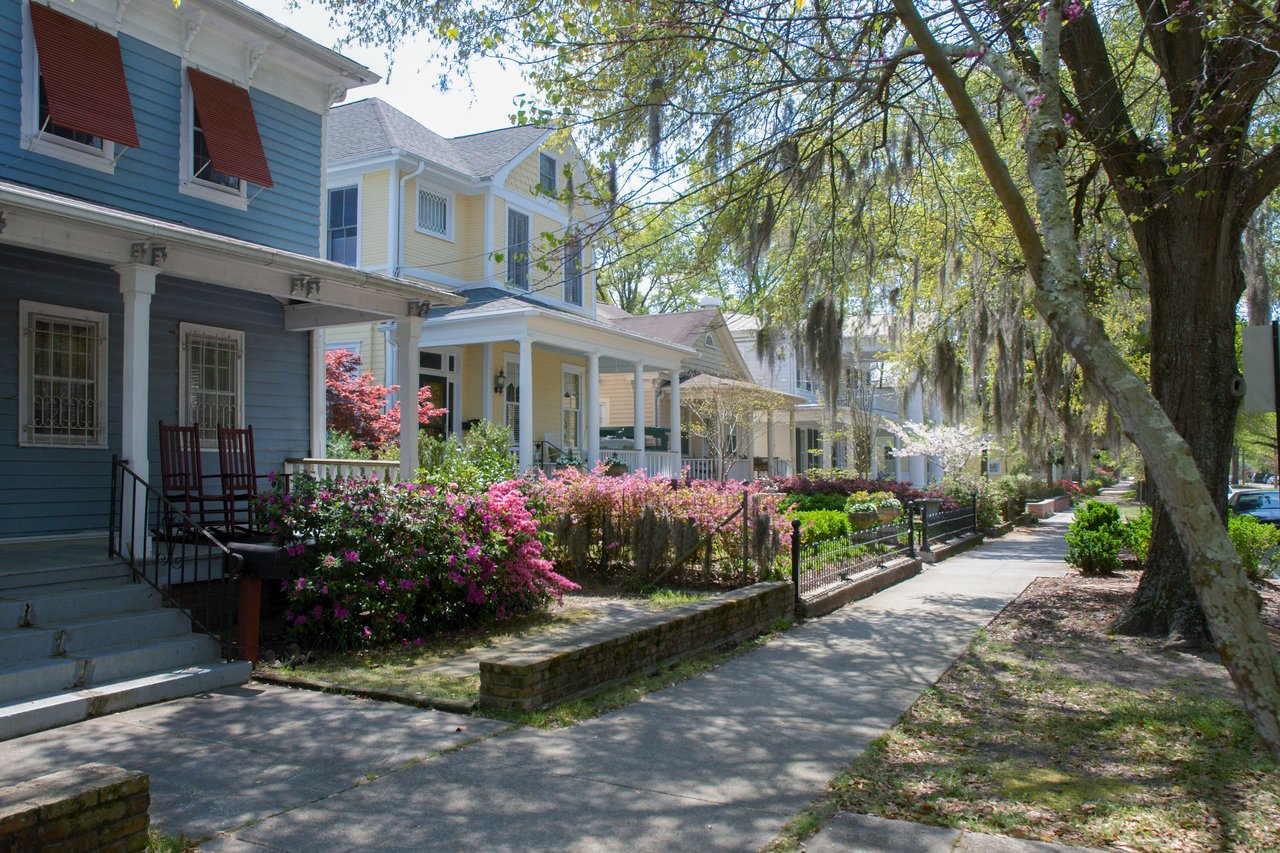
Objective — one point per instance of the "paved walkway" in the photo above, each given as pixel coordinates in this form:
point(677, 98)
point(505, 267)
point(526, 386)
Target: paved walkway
point(718, 762)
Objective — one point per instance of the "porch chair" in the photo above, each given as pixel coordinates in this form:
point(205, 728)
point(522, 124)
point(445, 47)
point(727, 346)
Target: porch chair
point(182, 483)
point(239, 475)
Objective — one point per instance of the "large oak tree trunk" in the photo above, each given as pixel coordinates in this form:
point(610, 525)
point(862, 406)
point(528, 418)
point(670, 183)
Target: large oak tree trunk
point(1195, 282)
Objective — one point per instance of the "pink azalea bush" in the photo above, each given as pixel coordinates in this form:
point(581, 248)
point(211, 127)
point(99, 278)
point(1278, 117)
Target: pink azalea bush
point(376, 563)
point(592, 511)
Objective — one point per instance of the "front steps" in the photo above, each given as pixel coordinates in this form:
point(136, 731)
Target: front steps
point(86, 640)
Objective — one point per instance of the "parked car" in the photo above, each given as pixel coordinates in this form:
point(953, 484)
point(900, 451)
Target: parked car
point(1262, 504)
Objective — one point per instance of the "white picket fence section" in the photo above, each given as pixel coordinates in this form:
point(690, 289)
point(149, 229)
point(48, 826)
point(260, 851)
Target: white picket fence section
point(386, 470)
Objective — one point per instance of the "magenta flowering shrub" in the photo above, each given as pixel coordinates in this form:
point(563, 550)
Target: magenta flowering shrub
point(376, 563)
point(644, 524)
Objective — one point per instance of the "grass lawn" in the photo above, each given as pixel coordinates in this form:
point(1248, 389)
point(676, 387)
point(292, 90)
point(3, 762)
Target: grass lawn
point(1048, 728)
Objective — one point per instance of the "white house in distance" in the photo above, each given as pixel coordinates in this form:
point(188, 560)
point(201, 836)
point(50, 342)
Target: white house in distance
point(874, 386)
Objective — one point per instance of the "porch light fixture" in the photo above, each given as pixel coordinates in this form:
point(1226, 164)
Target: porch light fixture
point(500, 382)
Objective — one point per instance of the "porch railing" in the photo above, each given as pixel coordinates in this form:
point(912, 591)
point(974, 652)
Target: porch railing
point(656, 463)
point(174, 554)
point(386, 470)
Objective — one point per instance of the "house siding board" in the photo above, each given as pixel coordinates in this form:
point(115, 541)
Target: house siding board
point(374, 199)
point(74, 484)
point(469, 234)
point(523, 177)
point(425, 251)
point(146, 178)
point(498, 268)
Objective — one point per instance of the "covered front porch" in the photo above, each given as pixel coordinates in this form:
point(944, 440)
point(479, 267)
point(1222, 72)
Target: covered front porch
point(538, 371)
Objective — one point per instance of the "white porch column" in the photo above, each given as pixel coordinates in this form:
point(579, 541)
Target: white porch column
point(917, 466)
point(791, 443)
point(637, 419)
point(486, 393)
point(827, 454)
point(408, 332)
point(526, 404)
point(137, 286)
point(768, 442)
point(593, 408)
point(319, 405)
point(875, 453)
point(675, 418)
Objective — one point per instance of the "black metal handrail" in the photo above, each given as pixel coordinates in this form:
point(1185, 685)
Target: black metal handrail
point(173, 553)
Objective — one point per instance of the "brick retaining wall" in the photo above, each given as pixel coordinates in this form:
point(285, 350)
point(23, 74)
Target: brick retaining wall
point(535, 679)
point(1048, 506)
point(92, 807)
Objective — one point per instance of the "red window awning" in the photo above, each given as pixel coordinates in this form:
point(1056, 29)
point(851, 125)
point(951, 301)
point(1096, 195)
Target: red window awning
point(83, 77)
point(230, 130)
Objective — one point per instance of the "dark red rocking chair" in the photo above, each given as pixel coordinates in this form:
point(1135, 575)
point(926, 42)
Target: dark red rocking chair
point(239, 478)
point(182, 483)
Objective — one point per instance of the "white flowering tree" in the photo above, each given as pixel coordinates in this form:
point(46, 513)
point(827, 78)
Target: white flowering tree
point(952, 446)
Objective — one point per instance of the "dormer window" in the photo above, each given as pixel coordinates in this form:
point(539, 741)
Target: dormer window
point(222, 149)
point(547, 174)
point(75, 102)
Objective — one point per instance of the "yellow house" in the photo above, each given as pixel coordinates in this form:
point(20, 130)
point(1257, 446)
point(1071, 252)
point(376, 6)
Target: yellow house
point(499, 219)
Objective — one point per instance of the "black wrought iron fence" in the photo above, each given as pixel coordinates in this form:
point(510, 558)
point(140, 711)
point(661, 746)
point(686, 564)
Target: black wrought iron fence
point(174, 554)
point(820, 565)
point(937, 525)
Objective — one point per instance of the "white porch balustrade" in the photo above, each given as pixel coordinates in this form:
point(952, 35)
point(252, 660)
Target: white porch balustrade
point(385, 470)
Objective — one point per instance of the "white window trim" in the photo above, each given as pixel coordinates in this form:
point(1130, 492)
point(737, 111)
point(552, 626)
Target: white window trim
point(511, 370)
point(187, 183)
point(25, 309)
point(532, 267)
point(352, 346)
point(184, 378)
point(578, 440)
point(48, 144)
point(451, 204)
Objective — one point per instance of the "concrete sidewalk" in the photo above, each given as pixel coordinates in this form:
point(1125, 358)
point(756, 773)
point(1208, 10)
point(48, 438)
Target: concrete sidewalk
point(718, 762)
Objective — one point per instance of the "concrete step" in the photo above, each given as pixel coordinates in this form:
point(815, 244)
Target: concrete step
point(63, 708)
point(47, 608)
point(30, 643)
point(130, 660)
point(122, 628)
point(27, 644)
point(24, 578)
point(38, 678)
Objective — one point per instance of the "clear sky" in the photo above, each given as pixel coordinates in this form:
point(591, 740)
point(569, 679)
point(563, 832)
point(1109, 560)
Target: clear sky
point(412, 88)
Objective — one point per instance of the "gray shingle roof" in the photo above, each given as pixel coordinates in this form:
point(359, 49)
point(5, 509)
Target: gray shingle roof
point(681, 327)
point(372, 125)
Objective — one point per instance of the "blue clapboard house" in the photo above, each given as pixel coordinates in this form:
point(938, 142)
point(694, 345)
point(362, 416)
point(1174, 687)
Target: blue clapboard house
point(161, 259)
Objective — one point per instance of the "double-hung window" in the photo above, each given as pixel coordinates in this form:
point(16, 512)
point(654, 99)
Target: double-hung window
point(62, 368)
point(517, 249)
point(211, 364)
point(75, 101)
point(573, 271)
point(344, 210)
point(547, 174)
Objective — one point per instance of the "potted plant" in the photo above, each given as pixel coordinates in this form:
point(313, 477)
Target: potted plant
point(570, 459)
point(888, 508)
point(861, 510)
point(615, 467)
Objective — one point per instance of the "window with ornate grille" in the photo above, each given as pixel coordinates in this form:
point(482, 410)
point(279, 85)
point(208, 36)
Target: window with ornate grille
point(211, 363)
point(63, 361)
point(433, 213)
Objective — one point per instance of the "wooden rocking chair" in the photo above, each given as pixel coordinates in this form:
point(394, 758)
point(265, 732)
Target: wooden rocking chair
point(182, 484)
point(239, 475)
